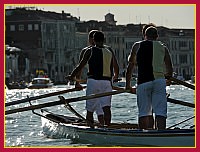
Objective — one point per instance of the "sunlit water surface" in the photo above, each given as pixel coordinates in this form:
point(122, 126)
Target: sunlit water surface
point(24, 129)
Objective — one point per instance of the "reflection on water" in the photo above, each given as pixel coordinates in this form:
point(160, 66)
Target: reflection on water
point(24, 128)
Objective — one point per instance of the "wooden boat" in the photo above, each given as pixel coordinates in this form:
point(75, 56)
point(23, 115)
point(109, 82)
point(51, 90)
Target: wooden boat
point(39, 83)
point(75, 128)
point(17, 85)
point(117, 134)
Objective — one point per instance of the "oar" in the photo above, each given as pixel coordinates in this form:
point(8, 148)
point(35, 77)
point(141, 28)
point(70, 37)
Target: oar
point(54, 103)
point(181, 102)
point(180, 122)
point(168, 99)
point(41, 96)
point(181, 82)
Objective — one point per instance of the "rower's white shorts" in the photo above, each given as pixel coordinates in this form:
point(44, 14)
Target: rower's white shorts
point(96, 87)
point(151, 97)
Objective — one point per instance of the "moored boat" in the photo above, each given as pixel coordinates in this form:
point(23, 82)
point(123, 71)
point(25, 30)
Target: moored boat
point(74, 128)
point(16, 85)
point(39, 83)
point(122, 82)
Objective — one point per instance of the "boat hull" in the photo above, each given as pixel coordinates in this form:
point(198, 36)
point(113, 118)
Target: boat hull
point(40, 86)
point(40, 83)
point(119, 137)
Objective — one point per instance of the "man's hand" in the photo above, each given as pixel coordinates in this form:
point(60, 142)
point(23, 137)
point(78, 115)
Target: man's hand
point(132, 90)
point(78, 85)
point(69, 78)
point(168, 82)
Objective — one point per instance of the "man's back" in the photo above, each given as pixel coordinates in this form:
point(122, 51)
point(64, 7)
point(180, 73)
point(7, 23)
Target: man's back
point(100, 64)
point(150, 61)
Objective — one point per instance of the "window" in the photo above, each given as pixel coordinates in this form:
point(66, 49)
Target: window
point(30, 27)
point(36, 27)
point(175, 45)
point(182, 44)
point(12, 27)
point(183, 59)
point(21, 27)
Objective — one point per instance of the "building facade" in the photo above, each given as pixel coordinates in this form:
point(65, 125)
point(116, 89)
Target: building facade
point(52, 41)
point(47, 39)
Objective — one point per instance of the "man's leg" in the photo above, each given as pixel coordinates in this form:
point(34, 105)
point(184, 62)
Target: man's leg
point(160, 103)
point(144, 102)
point(145, 122)
point(160, 122)
point(107, 115)
point(90, 119)
point(101, 119)
point(151, 122)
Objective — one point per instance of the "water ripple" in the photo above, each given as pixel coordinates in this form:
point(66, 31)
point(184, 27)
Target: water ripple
point(25, 129)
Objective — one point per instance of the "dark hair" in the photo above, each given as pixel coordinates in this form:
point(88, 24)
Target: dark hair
point(98, 36)
point(91, 33)
point(146, 26)
point(151, 32)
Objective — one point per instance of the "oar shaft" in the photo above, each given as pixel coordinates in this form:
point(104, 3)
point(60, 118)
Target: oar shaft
point(54, 103)
point(182, 83)
point(41, 96)
point(169, 100)
point(181, 102)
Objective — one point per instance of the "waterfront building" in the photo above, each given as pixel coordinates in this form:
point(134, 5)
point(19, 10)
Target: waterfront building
point(46, 37)
point(52, 41)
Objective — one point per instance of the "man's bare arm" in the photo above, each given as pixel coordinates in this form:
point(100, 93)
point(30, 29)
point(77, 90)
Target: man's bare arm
point(168, 63)
point(131, 65)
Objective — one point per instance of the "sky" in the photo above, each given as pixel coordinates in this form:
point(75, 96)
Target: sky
point(171, 16)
